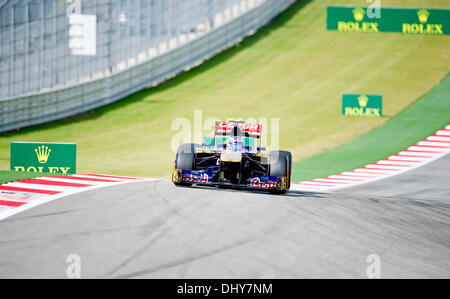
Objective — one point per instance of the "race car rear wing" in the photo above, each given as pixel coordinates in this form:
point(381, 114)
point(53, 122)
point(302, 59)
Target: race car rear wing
point(249, 130)
point(223, 129)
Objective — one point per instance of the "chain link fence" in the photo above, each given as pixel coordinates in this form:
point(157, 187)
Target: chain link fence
point(139, 43)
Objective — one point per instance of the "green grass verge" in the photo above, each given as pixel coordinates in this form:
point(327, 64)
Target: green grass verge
point(7, 176)
point(423, 118)
point(293, 69)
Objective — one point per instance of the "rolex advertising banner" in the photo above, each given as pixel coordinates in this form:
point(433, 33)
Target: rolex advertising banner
point(362, 105)
point(402, 20)
point(43, 157)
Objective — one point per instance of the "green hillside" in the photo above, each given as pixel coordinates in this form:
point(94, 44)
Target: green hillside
point(418, 121)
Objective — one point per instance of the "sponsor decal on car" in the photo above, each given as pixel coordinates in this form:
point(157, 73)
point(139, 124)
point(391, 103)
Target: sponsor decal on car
point(257, 183)
point(197, 176)
point(226, 127)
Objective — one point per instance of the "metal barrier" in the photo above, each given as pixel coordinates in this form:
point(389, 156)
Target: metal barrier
point(59, 103)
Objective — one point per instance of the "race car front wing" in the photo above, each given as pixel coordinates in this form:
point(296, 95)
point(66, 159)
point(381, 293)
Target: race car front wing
point(205, 177)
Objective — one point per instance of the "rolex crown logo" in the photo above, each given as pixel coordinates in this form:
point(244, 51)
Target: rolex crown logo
point(358, 14)
point(423, 15)
point(43, 152)
point(362, 100)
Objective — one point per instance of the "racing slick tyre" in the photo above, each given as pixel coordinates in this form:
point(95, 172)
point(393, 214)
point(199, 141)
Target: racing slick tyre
point(185, 159)
point(280, 165)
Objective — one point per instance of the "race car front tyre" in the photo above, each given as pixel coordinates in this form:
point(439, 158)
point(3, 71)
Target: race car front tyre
point(280, 166)
point(185, 159)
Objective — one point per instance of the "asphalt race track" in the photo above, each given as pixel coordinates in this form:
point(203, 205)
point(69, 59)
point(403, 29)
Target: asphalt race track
point(155, 230)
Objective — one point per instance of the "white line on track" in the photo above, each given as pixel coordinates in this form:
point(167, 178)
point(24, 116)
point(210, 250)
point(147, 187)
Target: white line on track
point(437, 143)
point(443, 133)
point(392, 163)
point(439, 138)
point(418, 154)
point(387, 167)
point(357, 174)
point(424, 148)
point(65, 180)
point(337, 182)
point(42, 187)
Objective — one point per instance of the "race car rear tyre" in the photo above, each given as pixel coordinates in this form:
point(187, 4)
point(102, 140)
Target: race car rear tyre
point(185, 159)
point(281, 165)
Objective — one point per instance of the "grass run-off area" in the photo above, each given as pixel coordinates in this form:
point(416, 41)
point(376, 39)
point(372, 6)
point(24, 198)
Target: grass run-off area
point(294, 70)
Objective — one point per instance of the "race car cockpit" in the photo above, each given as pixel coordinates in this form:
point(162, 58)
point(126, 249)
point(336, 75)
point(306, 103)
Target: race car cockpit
point(235, 142)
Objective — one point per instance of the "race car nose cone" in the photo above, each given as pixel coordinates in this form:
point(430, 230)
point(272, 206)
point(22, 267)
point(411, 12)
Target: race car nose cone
point(230, 157)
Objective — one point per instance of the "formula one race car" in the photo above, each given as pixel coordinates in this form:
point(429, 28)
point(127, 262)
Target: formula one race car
point(232, 159)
